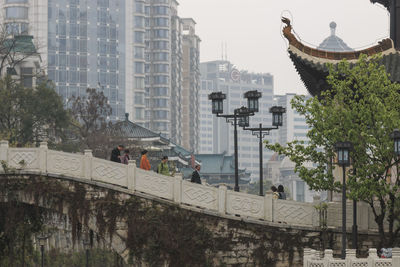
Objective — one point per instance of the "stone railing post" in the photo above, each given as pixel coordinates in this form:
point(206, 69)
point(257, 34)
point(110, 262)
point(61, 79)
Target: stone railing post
point(306, 256)
point(268, 207)
point(4, 150)
point(350, 256)
point(222, 189)
point(131, 174)
point(43, 157)
point(372, 256)
point(328, 257)
point(178, 187)
point(316, 221)
point(396, 257)
point(88, 164)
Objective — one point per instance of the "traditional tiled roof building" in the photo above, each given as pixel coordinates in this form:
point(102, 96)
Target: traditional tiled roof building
point(311, 63)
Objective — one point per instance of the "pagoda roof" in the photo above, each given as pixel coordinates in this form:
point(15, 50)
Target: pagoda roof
point(312, 63)
point(134, 132)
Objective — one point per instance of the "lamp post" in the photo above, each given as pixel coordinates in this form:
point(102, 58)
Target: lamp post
point(42, 242)
point(240, 115)
point(355, 228)
point(86, 244)
point(261, 131)
point(343, 159)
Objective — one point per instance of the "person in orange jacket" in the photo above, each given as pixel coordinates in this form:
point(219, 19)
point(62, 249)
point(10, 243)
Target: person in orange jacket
point(144, 161)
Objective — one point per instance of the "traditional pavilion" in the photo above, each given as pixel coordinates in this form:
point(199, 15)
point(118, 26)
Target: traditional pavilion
point(311, 63)
point(138, 138)
point(219, 169)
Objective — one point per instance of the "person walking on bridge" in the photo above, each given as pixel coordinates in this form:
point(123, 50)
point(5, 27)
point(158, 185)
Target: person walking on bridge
point(144, 161)
point(281, 192)
point(163, 168)
point(116, 154)
point(196, 175)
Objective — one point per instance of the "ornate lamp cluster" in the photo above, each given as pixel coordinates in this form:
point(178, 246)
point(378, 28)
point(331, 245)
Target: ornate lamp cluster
point(241, 117)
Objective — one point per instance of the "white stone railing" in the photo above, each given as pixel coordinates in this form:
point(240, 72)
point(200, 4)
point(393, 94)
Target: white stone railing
point(313, 258)
point(42, 160)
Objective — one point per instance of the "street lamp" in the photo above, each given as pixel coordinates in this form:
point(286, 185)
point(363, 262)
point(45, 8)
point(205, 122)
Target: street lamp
point(343, 159)
point(261, 131)
point(42, 242)
point(240, 115)
point(86, 244)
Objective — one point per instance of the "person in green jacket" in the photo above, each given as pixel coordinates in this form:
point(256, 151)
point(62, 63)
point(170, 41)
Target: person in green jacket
point(163, 167)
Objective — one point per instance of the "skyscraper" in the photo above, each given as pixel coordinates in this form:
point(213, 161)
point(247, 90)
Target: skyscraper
point(190, 85)
point(130, 50)
point(216, 136)
point(82, 43)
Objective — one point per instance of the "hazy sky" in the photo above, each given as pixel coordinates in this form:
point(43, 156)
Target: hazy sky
point(252, 31)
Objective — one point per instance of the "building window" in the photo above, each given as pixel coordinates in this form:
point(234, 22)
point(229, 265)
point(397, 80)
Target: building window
point(27, 77)
point(139, 113)
point(139, 67)
point(139, 98)
point(139, 83)
point(139, 7)
point(300, 191)
point(139, 37)
point(17, 12)
point(139, 52)
point(139, 22)
point(160, 10)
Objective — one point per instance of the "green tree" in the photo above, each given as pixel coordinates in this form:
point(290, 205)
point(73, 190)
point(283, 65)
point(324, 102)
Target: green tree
point(362, 106)
point(30, 115)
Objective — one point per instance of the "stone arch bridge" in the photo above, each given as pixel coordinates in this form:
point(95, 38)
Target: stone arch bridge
point(245, 229)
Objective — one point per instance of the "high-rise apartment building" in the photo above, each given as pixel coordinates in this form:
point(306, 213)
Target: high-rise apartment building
point(294, 125)
point(82, 43)
point(279, 169)
point(130, 50)
point(190, 85)
point(216, 135)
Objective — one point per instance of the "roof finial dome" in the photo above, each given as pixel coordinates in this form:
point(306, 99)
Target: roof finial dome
point(126, 116)
point(333, 42)
point(332, 25)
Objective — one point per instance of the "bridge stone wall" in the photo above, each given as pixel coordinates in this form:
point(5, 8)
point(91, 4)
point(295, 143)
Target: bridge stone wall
point(255, 229)
point(224, 202)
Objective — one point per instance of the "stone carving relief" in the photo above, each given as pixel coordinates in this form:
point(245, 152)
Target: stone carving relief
point(110, 172)
point(293, 213)
point(243, 204)
point(28, 158)
point(64, 163)
point(199, 195)
point(153, 184)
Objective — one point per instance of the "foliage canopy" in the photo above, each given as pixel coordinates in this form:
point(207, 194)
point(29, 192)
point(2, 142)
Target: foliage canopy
point(361, 106)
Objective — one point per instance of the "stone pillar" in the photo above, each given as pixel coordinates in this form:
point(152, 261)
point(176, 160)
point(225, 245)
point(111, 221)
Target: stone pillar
point(268, 207)
point(3, 150)
point(43, 157)
point(396, 257)
point(178, 187)
point(328, 256)
point(372, 256)
point(222, 189)
point(350, 256)
point(306, 256)
point(88, 164)
point(131, 175)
